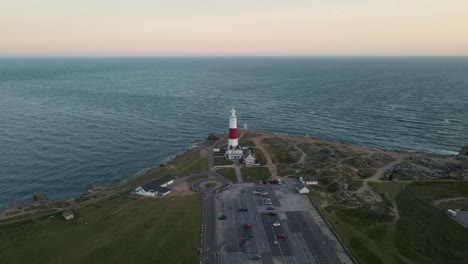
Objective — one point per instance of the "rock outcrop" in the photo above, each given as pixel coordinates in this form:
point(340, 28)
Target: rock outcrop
point(40, 197)
point(464, 151)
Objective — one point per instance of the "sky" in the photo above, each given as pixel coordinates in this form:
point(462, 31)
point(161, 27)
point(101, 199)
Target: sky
point(233, 27)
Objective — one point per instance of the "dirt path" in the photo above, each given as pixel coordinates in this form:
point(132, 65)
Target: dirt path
point(366, 191)
point(270, 165)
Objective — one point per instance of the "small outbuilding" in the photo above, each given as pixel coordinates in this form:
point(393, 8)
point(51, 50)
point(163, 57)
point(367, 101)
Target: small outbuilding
point(301, 188)
point(68, 215)
point(309, 180)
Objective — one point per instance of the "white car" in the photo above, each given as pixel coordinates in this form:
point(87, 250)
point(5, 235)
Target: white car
point(263, 193)
point(255, 192)
point(276, 223)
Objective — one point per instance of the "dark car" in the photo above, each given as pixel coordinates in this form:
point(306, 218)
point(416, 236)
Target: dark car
point(242, 209)
point(280, 236)
point(223, 217)
point(271, 213)
point(256, 257)
point(269, 208)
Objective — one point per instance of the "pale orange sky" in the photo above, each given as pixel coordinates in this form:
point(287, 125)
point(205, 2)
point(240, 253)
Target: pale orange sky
point(241, 27)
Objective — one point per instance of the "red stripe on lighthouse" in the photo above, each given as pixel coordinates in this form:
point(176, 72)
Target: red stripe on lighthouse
point(232, 133)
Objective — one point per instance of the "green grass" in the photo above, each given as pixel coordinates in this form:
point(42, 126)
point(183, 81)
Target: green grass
point(222, 161)
point(145, 231)
point(430, 191)
point(245, 142)
point(210, 185)
point(459, 204)
point(427, 235)
point(367, 173)
point(228, 173)
point(254, 174)
point(423, 234)
point(260, 157)
point(194, 178)
point(280, 151)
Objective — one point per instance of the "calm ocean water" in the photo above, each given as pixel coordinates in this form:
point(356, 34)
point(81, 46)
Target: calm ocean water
point(67, 123)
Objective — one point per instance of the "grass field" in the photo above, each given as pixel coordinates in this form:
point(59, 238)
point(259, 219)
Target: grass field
point(423, 234)
point(426, 235)
point(143, 231)
point(254, 174)
point(228, 173)
point(221, 161)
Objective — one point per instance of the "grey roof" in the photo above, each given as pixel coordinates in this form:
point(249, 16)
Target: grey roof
point(156, 184)
point(309, 178)
point(300, 186)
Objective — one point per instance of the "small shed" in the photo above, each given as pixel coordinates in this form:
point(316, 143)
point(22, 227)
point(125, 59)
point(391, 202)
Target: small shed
point(68, 215)
point(301, 188)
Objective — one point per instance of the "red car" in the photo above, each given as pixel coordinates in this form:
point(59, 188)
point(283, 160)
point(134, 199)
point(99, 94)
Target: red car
point(280, 236)
point(247, 226)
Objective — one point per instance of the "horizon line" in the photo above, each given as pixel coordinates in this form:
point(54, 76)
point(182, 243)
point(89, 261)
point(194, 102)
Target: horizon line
point(237, 56)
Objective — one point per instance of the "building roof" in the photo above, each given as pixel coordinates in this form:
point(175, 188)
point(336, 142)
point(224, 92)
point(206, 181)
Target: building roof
point(156, 184)
point(309, 178)
point(300, 186)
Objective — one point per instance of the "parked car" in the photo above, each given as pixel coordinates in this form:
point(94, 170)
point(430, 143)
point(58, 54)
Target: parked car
point(280, 236)
point(264, 182)
point(276, 223)
point(271, 213)
point(250, 235)
point(270, 208)
point(242, 209)
point(255, 192)
point(247, 226)
point(263, 193)
point(223, 217)
point(256, 257)
point(267, 203)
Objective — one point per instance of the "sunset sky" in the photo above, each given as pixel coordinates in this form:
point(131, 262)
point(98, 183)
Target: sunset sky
point(234, 27)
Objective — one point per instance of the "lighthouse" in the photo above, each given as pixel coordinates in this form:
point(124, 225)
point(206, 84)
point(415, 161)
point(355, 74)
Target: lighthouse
point(233, 139)
point(233, 149)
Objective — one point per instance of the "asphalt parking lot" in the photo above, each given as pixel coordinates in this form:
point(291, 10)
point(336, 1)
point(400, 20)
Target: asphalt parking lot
point(304, 241)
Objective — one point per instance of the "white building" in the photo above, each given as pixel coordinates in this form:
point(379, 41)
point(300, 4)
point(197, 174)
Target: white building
point(156, 187)
point(301, 188)
point(249, 158)
point(308, 180)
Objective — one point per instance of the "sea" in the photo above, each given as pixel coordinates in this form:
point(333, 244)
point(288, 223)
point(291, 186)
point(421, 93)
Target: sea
point(66, 123)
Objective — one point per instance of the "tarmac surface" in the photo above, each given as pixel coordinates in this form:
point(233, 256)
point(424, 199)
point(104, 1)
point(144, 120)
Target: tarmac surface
point(304, 243)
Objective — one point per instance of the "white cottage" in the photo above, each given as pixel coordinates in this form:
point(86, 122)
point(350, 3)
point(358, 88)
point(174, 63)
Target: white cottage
point(301, 188)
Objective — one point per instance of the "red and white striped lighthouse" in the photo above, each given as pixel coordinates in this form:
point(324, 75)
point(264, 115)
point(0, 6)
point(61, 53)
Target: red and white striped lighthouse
point(233, 139)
